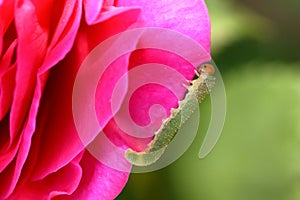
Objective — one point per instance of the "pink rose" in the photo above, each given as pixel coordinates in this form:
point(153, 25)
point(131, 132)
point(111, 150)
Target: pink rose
point(42, 46)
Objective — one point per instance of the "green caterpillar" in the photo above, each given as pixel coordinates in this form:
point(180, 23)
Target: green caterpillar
point(198, 88)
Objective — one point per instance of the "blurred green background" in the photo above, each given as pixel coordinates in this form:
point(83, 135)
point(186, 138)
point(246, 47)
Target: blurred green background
point(255, 45)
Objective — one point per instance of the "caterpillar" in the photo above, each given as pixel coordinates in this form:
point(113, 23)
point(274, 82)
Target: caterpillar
point(197, 88)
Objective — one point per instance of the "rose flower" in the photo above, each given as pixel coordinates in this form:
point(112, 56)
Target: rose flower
point(42, 47)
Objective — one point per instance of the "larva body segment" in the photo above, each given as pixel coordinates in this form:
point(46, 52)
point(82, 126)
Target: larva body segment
point(144, 158)
point(198, 89)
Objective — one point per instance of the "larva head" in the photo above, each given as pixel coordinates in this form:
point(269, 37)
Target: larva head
point(207, 68)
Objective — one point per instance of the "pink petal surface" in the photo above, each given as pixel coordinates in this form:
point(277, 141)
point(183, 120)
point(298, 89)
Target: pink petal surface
point(105, 13)
point(189, 17)
point(7, 149)
point(98, 181)
point(24, 143)
point(6, 10)
point(100, 10)
point(7, 77)
point(92, 10)
point(31, 38)
point(29, 77)
point(60, 131)
point(53, 185)
point(64, 33)
point(151, 94)
point(26, 67)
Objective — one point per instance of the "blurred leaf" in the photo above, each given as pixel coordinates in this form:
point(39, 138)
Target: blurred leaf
point(231, 22)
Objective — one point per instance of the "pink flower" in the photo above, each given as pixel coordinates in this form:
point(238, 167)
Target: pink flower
point(42, 46)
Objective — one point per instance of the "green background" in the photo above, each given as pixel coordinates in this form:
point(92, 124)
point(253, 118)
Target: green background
point(255, 45)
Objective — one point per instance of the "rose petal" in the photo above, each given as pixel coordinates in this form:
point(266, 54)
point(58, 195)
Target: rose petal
point(29, 125)
point(98, 10)
point(25, 141)
point(7, 13)
point(189, 17)
point(124, 140)
point(92, 9)
point(26, 67)
point(98, 181)
point(7, 148)
point(60, 131)
point(64, 181)
point(151, 94)
point(105, 13)
point(31, 38)
point(6, 179)
point(7, 80)
point(64, 35)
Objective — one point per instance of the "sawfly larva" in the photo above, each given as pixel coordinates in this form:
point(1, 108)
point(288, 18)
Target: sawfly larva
point(197, 88)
